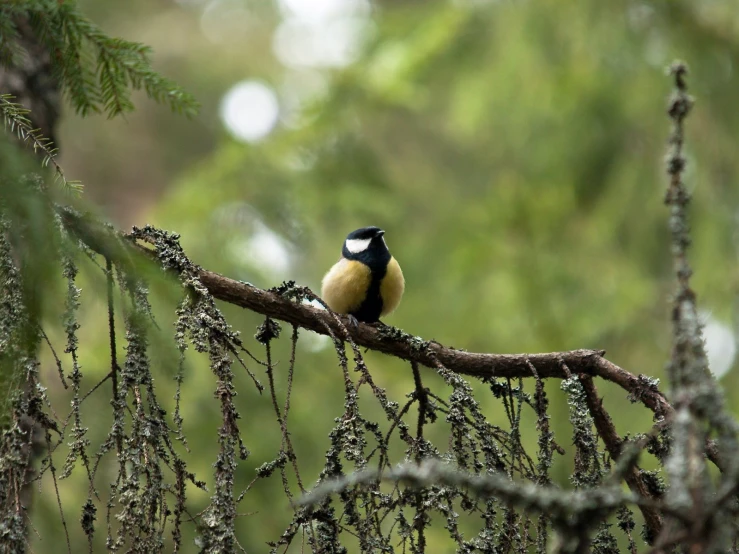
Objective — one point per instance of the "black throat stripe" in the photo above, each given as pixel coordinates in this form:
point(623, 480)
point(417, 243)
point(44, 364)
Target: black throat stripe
point(369, 310)
point(376, 257)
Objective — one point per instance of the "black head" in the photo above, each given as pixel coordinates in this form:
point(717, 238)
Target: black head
point(367, 245)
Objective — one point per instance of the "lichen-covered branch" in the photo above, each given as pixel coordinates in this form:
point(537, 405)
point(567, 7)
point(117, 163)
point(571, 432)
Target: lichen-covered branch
point(555, 502)
point(614, 443)
point(699, 403)
point(279, 304)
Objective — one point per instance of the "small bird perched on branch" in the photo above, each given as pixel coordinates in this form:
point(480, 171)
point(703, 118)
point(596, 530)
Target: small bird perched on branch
point(366, 282)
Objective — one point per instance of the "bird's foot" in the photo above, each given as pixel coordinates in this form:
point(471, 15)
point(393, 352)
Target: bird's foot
point(353, 321)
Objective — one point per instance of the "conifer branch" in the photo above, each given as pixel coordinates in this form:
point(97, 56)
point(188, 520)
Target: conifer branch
point(95, 72)
point(14, 117)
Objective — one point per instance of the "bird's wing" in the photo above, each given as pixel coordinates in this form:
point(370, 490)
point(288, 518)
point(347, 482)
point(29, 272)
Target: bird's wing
point(392, 287)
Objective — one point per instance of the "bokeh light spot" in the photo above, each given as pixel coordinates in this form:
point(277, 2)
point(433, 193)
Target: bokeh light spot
point(263, 249)
point(720, 346)
point(321, 10)
point(250, 110)
point(321, 33)
point(308, 43)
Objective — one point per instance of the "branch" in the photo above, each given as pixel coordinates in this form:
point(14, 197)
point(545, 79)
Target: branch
point(550, 500)
point(395, 342)
point(277, 304)
point(16, 117)
point(607, 431)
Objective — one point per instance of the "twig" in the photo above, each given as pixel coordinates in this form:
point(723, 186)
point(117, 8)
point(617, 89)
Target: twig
point(551, 500)
point(607, 432)
point(423, 401)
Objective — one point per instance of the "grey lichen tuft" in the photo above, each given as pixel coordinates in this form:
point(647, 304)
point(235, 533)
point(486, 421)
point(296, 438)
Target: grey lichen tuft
point(200, 320)
point(267, 331)
point(589, 468)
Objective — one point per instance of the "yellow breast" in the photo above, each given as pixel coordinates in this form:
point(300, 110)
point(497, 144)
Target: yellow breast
point(345, 285)
point(392, 287)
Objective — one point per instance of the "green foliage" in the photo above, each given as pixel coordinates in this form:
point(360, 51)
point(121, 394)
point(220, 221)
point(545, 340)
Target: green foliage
point(96, 72)
point(15, 118)
point(10, 51)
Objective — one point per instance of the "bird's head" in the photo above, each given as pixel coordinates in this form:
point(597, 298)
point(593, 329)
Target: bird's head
point(365, 244)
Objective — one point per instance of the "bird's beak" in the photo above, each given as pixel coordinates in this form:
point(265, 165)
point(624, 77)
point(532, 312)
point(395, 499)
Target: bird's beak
point(380, 233)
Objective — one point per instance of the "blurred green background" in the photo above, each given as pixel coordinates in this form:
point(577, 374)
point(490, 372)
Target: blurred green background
point(513, 152)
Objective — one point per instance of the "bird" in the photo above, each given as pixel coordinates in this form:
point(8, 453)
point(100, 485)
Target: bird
point(367, 282)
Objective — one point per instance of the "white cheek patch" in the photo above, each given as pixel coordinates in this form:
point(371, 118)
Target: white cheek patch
point(355, 246)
